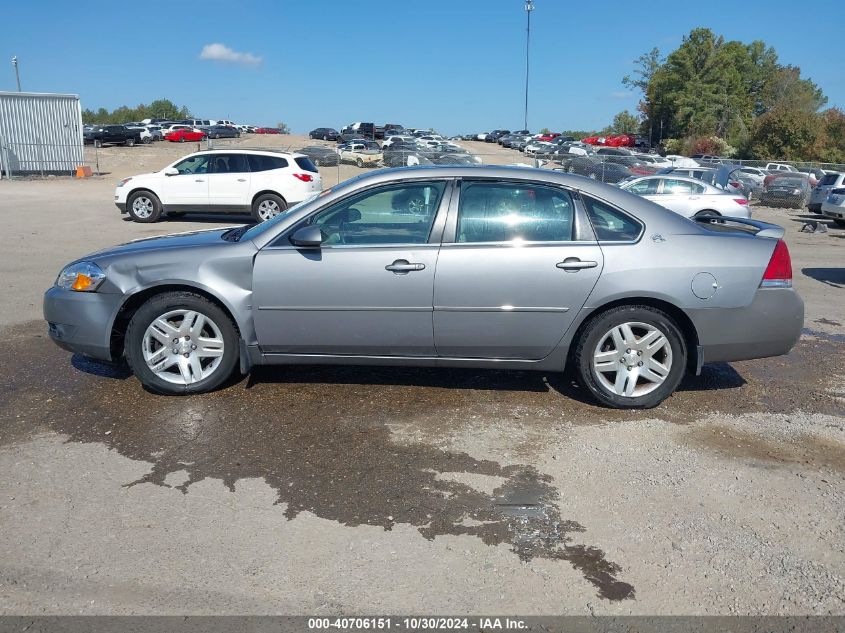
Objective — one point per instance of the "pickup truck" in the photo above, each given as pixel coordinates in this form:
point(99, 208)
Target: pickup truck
point(112, 135)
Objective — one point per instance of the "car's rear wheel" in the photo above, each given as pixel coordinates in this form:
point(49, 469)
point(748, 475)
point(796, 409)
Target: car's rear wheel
point(143, 206)
point(316, 162)
point(325, 137)
point(98, 143)
point(267, 206)
point(631, 357)
point(180, 343)
point(181, 139)
point(129, 142)
point(359, 162)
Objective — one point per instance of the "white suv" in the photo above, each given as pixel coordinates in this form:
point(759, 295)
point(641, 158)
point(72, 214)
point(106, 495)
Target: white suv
point(261, 182)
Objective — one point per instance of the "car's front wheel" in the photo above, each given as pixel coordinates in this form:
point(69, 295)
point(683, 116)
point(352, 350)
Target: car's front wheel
point(631, 357)
point(181, 343)
point(143, 206)
point(267, 206)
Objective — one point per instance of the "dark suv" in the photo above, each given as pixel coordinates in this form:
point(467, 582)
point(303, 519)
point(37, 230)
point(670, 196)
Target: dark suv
point(324, 133)
point(112, 135)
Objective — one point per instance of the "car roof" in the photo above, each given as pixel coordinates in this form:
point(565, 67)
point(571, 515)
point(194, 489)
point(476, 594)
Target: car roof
point(249, 150)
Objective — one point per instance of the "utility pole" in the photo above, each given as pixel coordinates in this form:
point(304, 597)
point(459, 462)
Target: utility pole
point(17, 73)
point(529, 7)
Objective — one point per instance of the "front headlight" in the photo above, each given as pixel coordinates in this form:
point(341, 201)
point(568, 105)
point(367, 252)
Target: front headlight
point(81, 277)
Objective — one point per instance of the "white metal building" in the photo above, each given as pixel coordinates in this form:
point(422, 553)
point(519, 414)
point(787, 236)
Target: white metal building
point(40, 133)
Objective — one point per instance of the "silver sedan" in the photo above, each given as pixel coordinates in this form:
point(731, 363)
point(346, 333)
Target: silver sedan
point(687, 196)
point(497, 267)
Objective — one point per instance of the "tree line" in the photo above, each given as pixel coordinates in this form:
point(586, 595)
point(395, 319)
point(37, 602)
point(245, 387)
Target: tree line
point(729, 98)
point(158, 109)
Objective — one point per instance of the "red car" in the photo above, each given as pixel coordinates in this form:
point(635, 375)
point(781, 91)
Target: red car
point(266, 130)
point(548, 137)
point(181, 136)
point(617, 140)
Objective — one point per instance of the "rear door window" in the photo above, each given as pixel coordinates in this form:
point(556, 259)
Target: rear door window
point(259, 162)
point(229, 164)
point(504, 212)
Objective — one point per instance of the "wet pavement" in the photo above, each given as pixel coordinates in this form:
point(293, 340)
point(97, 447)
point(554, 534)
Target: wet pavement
point(322, 437)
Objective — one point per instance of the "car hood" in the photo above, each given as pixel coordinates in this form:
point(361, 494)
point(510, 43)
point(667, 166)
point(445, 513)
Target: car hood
point(188, 239)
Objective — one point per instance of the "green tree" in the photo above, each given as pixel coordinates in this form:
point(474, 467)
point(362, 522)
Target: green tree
point(787, 134)
point(283, 128)
point(158, 109)
point(624, 123)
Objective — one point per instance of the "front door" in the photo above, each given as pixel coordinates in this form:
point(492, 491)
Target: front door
point(228, 182)
point(187, 190)
point(367, 290)
point(514, 277)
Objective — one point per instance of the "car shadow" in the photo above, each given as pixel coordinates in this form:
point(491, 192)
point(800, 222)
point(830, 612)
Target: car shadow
point(834, 277)
point(99, 368)
point(204, 218)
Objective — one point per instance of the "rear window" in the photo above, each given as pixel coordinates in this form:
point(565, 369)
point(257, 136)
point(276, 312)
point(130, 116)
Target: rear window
point(829, 179)
point(611, 225)
point(306, 163)
point(259, 162)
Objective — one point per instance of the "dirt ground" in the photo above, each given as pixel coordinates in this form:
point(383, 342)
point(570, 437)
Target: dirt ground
point(365, 490)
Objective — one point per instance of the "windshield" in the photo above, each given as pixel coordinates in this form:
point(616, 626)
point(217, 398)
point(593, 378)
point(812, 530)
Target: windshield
point(257, 229)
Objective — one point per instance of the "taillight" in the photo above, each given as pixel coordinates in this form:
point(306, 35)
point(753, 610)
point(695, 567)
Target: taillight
point(741, 201)
point(304, 177)
point(779, 271)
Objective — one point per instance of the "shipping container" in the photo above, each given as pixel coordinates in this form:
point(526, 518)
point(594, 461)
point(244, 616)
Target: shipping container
point(39, 134)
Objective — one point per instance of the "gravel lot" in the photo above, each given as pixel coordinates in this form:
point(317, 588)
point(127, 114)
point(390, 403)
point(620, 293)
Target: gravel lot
point(359, 490)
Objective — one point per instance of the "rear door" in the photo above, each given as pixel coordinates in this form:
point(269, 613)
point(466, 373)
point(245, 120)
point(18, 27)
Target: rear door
point(228, 182)
point(512, 272)
point(681, 196)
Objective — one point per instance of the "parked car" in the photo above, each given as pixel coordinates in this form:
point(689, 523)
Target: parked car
point(266, 130)
point(834, 206)
point(495, 135)
point(780, 167)
point(791, 191)
point(688, 197)
point(261, 182)
point(222, 131)
point(112, 135)
point(821, 191)
point(325, 133)
point(814, 174)
point(390, 140)
point(361, 154)
point(405, 155)
point(356, 130)
point(184, 134)
point(594, 168)
point(595, 292)
point(754, 173)
point(144, 135)
point(321, 156)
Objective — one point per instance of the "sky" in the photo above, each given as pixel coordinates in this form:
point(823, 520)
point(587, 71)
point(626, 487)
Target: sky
point(455, 65)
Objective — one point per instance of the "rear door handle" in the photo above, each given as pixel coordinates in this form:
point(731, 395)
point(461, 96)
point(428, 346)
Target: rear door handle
point(241, 179)
point(199, 180)
point(573, 264)
point(403, 267)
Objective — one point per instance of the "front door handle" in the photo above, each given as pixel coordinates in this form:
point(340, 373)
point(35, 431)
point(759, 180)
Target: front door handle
point(241, 179)
point(199, 180)
point(403, 267)
point(573, 264)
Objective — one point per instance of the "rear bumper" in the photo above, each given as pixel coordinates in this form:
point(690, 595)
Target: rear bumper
point(769, 326)
point(830, 211)
point(81, 322)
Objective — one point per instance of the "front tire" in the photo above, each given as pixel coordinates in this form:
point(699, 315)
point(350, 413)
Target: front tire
point(359, 162)
point(631, 357)
point(267, 207)
point(179, 343)
point(144, 207)
point(130, 142)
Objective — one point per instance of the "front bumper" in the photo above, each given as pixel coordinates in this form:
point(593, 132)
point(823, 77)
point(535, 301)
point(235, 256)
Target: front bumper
point(769, 326)
point(81, 322)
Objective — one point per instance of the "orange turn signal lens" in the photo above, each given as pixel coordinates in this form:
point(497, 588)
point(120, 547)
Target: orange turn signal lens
point(83, 282)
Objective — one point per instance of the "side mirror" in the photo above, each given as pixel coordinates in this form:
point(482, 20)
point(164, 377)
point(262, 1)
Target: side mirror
point(307, 237)
point(171, 171)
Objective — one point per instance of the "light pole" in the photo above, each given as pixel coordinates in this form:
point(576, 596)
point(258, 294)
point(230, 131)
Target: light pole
point(529, 7)
point(17, 74)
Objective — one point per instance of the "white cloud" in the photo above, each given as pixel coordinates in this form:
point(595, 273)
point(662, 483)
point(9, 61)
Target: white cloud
point(221, 53)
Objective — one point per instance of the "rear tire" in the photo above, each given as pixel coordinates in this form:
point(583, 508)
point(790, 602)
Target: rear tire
point(359, 162)
point(98, 143)
point(267, 207)
point(129, 142)
point(144, 207)
point(609, 354)
point(181, 139)
point(143, 350)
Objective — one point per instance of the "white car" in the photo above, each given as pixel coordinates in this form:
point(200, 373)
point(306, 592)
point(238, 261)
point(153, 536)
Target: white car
point(144, 134)
point(261, 182)
point(482, 136)
point(681, 161)
point(686, 196)
point(834, 206)
point(390, 140)
point(779, 167)
point(821, 191)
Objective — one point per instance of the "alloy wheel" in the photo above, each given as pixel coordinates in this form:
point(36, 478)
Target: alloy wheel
point(183, 346)
point(142, 207)
point(632, 359)
point(268, 209)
